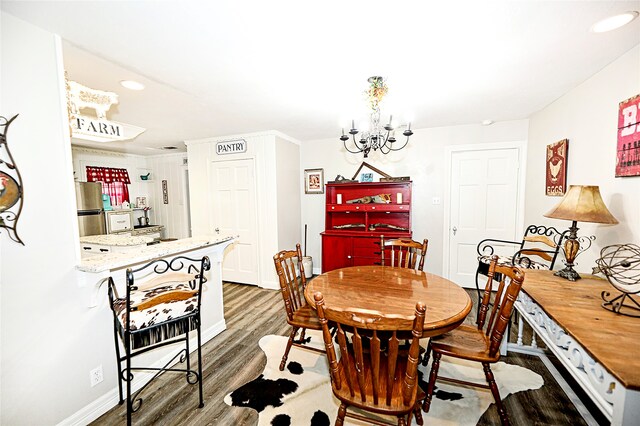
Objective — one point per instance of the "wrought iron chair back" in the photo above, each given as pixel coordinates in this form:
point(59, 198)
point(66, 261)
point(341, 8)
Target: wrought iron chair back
point(538, 249)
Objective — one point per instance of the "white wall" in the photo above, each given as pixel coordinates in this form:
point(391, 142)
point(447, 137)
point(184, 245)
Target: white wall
point(50, 339)
point(423, 160)
point(588, 117)
point(288, 200)
point(174, 215)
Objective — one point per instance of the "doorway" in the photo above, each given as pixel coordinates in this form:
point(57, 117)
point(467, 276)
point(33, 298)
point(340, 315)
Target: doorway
point(484, 200)
point(233, 201)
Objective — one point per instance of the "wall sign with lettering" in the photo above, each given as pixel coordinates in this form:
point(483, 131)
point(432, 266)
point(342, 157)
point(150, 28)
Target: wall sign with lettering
point(165, 192)
point(556, 182)
point(628, 150)
point(231, 147)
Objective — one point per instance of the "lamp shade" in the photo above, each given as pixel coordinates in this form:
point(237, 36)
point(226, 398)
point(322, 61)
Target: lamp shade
point(582, 204)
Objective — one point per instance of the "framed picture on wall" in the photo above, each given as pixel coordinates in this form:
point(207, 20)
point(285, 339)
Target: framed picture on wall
point(141, 202)
point(556, 181)
point(628, 148)
point(314, 181)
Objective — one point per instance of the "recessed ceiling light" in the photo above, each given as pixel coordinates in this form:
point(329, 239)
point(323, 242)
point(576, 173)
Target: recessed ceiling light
point(487, 122)
point(614, 22)
point(132, 85)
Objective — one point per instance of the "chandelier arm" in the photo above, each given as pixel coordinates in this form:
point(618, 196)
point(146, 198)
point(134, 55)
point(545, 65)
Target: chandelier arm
point(354, 144)
point(398, 149)
point(384, 145)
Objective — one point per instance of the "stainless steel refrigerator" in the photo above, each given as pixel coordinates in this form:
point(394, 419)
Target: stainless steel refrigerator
point(90, 212)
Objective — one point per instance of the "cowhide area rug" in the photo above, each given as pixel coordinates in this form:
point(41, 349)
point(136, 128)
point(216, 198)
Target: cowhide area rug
point(301, 394)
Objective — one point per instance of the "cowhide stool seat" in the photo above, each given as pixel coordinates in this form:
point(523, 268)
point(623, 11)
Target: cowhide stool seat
point(160, 307)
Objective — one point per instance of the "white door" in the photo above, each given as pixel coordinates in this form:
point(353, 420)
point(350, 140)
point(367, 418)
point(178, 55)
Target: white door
point(234, 212)
point(483, 204)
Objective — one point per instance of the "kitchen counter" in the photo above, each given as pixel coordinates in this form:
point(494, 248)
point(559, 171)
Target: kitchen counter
point(115, 240)
point(113, 261)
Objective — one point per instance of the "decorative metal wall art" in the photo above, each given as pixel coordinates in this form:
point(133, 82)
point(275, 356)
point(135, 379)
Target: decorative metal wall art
point(11, 189)
point(556, 184)
point(628, 150)
point(620, 263)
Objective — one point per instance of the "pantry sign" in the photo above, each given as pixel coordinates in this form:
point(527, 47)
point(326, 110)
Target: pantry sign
point(231, 147)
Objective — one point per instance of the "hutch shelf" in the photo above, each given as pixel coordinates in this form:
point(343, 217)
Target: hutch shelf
point(353, 230)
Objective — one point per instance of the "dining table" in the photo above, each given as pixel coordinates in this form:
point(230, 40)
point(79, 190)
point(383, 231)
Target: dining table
point(393, 291)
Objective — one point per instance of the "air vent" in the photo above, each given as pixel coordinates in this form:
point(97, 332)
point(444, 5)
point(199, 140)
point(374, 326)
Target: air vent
point(169, 147)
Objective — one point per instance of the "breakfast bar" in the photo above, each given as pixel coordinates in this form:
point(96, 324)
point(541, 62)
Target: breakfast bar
point(95, 269)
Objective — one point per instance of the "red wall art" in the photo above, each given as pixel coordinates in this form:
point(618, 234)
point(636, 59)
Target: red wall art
point(628, 151)
point(556, 182)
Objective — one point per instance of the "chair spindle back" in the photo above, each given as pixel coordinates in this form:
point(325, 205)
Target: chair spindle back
point(292, 283)
point(370, 354)
point(405, 253)
point(505, 296)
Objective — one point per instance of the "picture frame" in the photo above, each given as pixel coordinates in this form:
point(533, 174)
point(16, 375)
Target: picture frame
point(165, 192)
point(366, 177)
point(314, 181)
point(556, 168)
point(628, 140)
point(141, 202)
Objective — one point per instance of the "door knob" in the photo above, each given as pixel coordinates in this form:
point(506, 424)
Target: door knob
point(217, 230)
point(454, 229)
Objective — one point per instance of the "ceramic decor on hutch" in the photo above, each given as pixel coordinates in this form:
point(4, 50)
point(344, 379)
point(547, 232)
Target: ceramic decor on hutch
point(357, 215)
point(376, 137)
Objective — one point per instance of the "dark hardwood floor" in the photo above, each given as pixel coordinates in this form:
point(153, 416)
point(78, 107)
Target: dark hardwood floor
point(234, 358)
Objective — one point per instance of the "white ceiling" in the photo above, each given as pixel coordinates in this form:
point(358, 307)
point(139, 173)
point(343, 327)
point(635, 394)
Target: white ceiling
point(228, 67)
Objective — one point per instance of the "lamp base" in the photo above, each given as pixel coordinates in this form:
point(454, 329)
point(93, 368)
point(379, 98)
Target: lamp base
point(568, 273)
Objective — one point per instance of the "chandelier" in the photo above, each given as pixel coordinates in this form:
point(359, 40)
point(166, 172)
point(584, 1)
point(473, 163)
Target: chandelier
point(377, 137)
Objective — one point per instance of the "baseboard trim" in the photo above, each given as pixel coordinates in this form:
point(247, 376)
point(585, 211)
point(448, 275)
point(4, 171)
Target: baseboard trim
point(106, 402)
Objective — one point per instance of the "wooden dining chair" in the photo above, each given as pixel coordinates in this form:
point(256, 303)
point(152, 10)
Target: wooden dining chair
point(300, 315)
point(374, 373)
point(404, 252)
point(482, 342)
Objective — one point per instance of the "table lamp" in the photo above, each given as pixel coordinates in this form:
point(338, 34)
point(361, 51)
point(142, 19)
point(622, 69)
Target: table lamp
point(580, 204)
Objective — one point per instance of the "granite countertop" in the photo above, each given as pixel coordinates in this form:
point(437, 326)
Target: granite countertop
point(110, 261)
point(115, 240)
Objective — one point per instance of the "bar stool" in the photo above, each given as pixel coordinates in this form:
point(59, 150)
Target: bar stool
point(161, 306)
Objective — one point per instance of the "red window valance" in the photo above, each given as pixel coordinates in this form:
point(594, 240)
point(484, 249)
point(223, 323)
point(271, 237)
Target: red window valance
point(107, 175)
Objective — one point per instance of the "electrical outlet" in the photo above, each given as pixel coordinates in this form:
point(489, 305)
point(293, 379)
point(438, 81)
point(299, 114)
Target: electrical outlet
point(435, 201)
point(95, 375)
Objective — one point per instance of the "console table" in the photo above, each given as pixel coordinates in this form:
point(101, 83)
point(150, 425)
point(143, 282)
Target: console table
point(599, 348)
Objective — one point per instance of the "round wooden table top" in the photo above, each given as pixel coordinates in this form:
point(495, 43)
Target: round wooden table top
point(394, 291)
